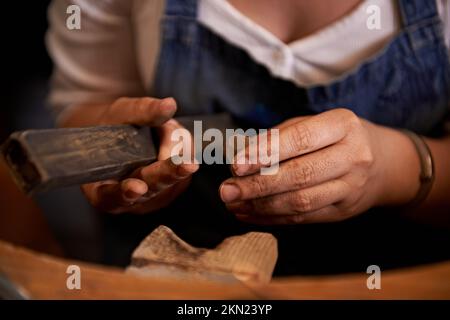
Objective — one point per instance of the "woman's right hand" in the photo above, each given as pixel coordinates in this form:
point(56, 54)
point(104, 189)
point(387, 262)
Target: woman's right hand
point(151, 187)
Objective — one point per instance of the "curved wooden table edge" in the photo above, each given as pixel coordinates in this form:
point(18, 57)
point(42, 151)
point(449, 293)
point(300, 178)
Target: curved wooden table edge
point(44, 277)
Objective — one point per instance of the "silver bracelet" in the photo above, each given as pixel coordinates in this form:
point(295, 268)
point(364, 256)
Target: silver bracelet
point(427, 173)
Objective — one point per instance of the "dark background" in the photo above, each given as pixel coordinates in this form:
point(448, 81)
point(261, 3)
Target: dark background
point(26, 66)
point(25, 73)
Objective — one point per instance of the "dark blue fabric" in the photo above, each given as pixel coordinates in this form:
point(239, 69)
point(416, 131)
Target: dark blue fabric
point(406, 85)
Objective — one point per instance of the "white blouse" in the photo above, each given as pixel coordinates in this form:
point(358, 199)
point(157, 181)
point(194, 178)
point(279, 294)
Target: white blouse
point(116, 51)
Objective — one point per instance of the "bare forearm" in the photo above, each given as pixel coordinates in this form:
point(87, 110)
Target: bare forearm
point(403, 177)
point(436, 208)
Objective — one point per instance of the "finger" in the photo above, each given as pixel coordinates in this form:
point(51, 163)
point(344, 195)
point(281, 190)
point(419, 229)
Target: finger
point(304, 137)
point(133, 190)
point(155, 202)
point(140, 111)
point(330, 211)
point(167, 144)
point(111, 195)
point(294, 202)
point(291, 121)
point(164, 173)
point(250, 139)
point(301, 172)
point(334, 214)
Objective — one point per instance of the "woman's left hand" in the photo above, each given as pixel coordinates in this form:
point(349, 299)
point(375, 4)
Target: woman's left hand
point(333, 166)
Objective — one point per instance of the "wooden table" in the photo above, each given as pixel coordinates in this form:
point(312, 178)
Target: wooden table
point(44, 277)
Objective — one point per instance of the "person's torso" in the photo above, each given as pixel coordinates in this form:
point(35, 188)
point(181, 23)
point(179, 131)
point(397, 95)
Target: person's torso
point(405, 85)
point(291, 20)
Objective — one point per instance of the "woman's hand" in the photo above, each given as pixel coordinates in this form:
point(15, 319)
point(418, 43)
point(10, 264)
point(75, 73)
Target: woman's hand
point(148, 188)
point(333, 165)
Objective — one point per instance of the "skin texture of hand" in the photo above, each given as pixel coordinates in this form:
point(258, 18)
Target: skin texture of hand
point(154, 186)
point(333, 166)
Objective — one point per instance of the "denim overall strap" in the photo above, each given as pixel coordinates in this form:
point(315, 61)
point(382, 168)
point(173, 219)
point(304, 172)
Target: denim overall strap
point(422, 25)
point(406, 85)
point(184, 8)
point(421, 22)
point(416, 11)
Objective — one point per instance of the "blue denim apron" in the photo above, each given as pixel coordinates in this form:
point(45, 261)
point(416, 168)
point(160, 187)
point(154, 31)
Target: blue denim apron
point(406, 85)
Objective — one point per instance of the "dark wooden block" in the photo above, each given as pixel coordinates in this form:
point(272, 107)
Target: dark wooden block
point(51, 158)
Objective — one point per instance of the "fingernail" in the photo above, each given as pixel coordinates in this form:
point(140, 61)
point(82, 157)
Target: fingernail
point(230, 192)
point(176, 160)
point(240, 164)
point(241, 169)
point(172, 122)
point(185, 170)
point(131, 195)
point(168, 104)
point(133, 189)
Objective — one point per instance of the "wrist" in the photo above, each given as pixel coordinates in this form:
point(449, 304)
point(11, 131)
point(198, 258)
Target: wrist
point(399, 168)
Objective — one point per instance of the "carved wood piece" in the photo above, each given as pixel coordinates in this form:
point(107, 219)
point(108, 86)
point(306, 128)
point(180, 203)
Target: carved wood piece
point(248, 257)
